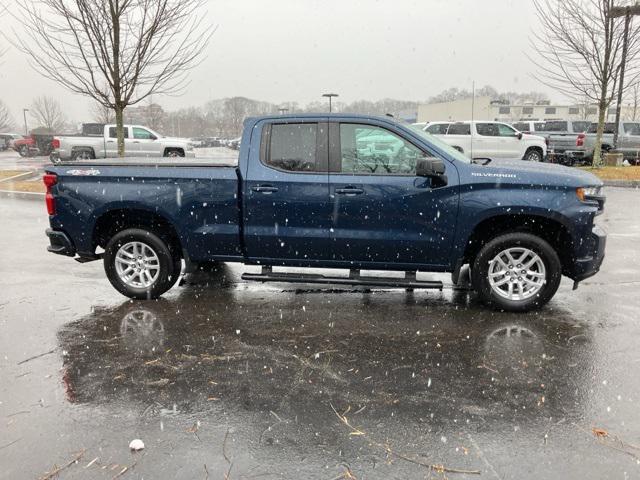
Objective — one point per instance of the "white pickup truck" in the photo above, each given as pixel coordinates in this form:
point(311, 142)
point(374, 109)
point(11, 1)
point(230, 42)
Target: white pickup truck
point(486, 139)
point(139, 141)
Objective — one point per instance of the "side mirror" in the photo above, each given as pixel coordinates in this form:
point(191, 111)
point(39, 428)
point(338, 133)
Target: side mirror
point(519, 135)
point(430, 167)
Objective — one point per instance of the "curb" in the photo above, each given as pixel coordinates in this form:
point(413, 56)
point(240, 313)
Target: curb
point(622, 183)
point(22, 195)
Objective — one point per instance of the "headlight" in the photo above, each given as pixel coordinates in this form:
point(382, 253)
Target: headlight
point(592, 195)
point(589, 193)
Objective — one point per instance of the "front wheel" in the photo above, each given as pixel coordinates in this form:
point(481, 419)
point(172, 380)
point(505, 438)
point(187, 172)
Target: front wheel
point(533, 155)
point(141, 265)
point(516, 272)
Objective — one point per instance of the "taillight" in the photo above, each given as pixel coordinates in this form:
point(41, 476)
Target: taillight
point(50, 179)
point(55, 143)
point(580, 140)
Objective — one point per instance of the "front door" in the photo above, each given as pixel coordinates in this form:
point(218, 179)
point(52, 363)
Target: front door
point(145, 143)
point(111, 143)
point(286, 194)
point(383, 214)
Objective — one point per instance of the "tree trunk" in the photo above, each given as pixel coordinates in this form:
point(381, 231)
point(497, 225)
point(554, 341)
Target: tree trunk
point(597, 151)
point(120, 130)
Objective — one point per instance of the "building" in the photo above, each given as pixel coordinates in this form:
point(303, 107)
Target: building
point(485, 108)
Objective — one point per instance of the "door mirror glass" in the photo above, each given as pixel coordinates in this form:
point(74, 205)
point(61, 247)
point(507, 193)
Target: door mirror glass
point(430, 167)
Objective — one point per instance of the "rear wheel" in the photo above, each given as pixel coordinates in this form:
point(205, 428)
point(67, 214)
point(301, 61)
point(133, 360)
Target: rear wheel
point(174, 153)
point(23, 151)
point(516, 272)
point(82, 155)
point(140, 264)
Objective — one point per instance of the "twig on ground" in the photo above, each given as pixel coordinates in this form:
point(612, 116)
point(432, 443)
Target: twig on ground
point(227, 475)
point(124, 470)
point(606, 439)
point(37, 356)
point(393, 453)
point(206, 472)
point(57, 470)
point(10, 443)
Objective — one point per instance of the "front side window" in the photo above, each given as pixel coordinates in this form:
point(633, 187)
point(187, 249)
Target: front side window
point(505, 130)
point(437, 129)
point(580, 127)
point(373, 150)
point(487, 129)
point(142, 134)
point(292, 147)
point(632, 128)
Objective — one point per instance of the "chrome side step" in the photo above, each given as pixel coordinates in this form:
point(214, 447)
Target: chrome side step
point(354, 278)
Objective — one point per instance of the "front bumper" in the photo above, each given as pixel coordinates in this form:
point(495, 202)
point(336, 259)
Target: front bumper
point(60, 243)
point(590, 265)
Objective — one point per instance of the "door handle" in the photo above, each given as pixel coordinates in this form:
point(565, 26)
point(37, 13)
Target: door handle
point(111, 141)
point(135, 141)
point(349, 191)
point(267, 189)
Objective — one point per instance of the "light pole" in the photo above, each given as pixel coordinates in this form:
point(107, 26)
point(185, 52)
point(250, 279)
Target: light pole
point(24, 113)
point(329, 96)
point(625, 12)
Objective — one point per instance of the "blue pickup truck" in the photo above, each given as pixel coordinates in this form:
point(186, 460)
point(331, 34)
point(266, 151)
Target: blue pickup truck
point(333, 191)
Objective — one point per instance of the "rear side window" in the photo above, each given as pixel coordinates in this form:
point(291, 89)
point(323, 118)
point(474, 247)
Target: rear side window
point(539, 126)
point(459, 129)
point(112, 132)
point(437, 129)
point(523, 127)
point(608, 128)
point(555, 127)
point(293, 147)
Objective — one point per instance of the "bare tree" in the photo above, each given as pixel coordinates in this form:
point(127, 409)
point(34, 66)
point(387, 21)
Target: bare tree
point(580, 50)
point(634, 103)
point(47, 112)
point(117, 52)
point(6, 119)
point(102, 114)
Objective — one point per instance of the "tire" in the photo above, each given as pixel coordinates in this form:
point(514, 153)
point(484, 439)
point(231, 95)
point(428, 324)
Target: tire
point(82, 155)
point(147, 244)
point(533, 155)
point(173, 153)
point(23, 151)
point(537, 287)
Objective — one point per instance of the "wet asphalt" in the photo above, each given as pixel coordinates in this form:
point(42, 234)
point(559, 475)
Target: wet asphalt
point(222, 377)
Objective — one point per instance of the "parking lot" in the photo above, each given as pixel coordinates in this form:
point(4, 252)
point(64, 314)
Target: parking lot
point(221, 377)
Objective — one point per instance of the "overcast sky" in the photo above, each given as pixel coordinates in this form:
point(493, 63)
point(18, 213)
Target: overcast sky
point(294, 50)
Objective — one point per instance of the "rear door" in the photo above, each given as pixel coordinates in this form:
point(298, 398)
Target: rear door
point(111, 143)
point(382, 213)
point(286, 193)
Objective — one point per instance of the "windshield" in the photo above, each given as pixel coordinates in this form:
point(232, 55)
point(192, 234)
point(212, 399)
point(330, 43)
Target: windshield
point(432, 139)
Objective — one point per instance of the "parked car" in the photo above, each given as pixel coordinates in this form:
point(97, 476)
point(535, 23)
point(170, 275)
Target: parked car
point(33, 145)
point(529, 126)
point(7, 139)
point(628, 140)
point(301, 195)
point(494, 140)
point(139, 141)
point(562, 136)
